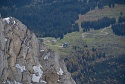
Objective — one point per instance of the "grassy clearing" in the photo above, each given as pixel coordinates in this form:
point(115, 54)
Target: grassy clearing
point(70, 38)
point(109, 43)
point(97, 13)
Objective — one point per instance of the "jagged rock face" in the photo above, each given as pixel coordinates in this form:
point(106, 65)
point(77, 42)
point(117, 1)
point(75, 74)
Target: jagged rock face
point(23, 60)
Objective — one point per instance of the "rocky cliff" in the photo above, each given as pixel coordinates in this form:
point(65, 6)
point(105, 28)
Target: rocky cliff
point(24, 60)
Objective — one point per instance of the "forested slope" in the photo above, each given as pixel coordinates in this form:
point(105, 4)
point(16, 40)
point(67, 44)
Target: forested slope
point(53, 18)
point(92, 59)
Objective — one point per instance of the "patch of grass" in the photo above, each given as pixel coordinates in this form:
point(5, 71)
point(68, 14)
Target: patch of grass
point(109, 43)
point(106, 12)
point(70, 38)
point(89, 41)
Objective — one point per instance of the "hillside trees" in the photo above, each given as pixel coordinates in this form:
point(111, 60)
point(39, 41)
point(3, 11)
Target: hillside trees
point(119, 28)
point(17, 3)
point(94, 67)
point(121, 19)
point(50, 17)
point(110, 3)
point(101, 23)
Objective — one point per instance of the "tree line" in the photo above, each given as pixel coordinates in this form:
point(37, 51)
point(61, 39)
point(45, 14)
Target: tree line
point(86, 66)
point(101, 23)
point(119, 28)
point(51, 17)
point(121, 19)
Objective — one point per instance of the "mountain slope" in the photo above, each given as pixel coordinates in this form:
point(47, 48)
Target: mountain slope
point(53, 18)
point(23, 60)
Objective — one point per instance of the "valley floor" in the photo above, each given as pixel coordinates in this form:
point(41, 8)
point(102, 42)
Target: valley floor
point(101, 42)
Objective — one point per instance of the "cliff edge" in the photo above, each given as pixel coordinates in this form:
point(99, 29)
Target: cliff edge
point(24, 60)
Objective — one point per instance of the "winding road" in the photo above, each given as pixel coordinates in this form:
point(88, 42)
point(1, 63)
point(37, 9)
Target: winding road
point(102, 32)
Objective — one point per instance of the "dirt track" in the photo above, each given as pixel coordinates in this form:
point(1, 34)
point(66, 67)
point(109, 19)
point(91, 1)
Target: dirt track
point(101, 33)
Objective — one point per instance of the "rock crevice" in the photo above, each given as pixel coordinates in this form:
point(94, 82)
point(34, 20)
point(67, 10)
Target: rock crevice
point(23, 62)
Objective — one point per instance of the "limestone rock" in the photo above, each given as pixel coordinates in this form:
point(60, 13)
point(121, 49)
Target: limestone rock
point(26, 78)
point(23, 59)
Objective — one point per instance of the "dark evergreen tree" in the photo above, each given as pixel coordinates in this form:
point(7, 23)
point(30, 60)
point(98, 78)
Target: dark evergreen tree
point(101, 23)
point(119, 29)
point(121, 19)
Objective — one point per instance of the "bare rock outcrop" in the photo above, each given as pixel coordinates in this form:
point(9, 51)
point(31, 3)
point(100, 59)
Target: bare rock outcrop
point(24, 60)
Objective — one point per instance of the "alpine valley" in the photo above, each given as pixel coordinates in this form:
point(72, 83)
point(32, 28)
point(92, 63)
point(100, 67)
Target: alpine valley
point(62, 41)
